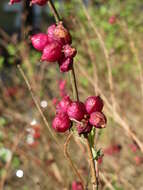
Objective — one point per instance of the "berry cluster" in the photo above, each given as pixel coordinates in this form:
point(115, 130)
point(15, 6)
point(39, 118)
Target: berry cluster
point(86, 115)
point(38, 2)
point(55, 45)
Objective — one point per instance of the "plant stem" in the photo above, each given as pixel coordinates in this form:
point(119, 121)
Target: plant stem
point(75, 84)
point(53, 9)
point(66, 153)
point(75, 89)
point(37, 105)
point(92, 165)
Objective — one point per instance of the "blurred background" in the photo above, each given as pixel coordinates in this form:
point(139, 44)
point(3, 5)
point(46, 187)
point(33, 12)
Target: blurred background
point(108, 35)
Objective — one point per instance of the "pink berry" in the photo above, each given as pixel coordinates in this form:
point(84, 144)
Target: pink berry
point(69, 51)
point(50, 32)
point(61, 123)
point(63, 104)
point(100, 160)
point(93, 104)
point(62, 84)
point(97, 119)
point(77, 185)
point(39, 41)
point(65, 64)
point(14, 1)
point(138, 160)
point(112, 19)
point(54, 101)
point(133, 147)
point(52, 52)
point(39, 2)
point(59, 33)
point(76, 111)
point(84, 128)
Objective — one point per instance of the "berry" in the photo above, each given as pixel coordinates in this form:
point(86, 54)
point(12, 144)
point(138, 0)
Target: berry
point(65, 64)
point(39, 2)
point(61, 123)
point(69, 51)
point(133, 147)
point(77, 185)
point(84, 129)
point(50, 32)
point(112, 19)
point(54, 101)
point(63, 104)
point(62, 84)
point(39, 41)
point(76, 111)
point(14, 1)
point(113, 149)
point(59, 33)
point(138, 160)
point(93, 104)
point(97, 119)
point(52, 52)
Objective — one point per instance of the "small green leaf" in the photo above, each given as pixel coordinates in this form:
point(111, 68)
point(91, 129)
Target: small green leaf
point(15, 162)
point(96, 154)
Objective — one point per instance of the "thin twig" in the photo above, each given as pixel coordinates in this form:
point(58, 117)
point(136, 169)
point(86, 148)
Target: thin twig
point(37, 105)
point(70, 160)
point(75, 84)
point(92, 166)
point(53, 9)
point(106, 181)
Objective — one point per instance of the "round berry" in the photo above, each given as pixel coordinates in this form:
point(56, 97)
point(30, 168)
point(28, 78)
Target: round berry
point(63, 104)
point(61, 123)
point(65, 64)
point(76, 111)
point(39, 41)
point(69, 52)
point(93, 104)
point(97, 119)
point(52, 52)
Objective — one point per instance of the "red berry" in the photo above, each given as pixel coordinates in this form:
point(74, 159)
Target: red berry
point(62, 84)
point(138, 160)
point(100, 160)
point(112, 19)
point(93, 104)
point(14, 1)
point(39, 2)
point(54, 101)
point(77, 185)
point(59, 33)
point(133, 147)
point(69, 51)
point(50, 32)
point(113, 149)
point(52, 52)
point(84, 128)
point(63, 104)
point(39, 41)
point(65, 64)
point(76, 111)
point(61, 123)
point(97, 119)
